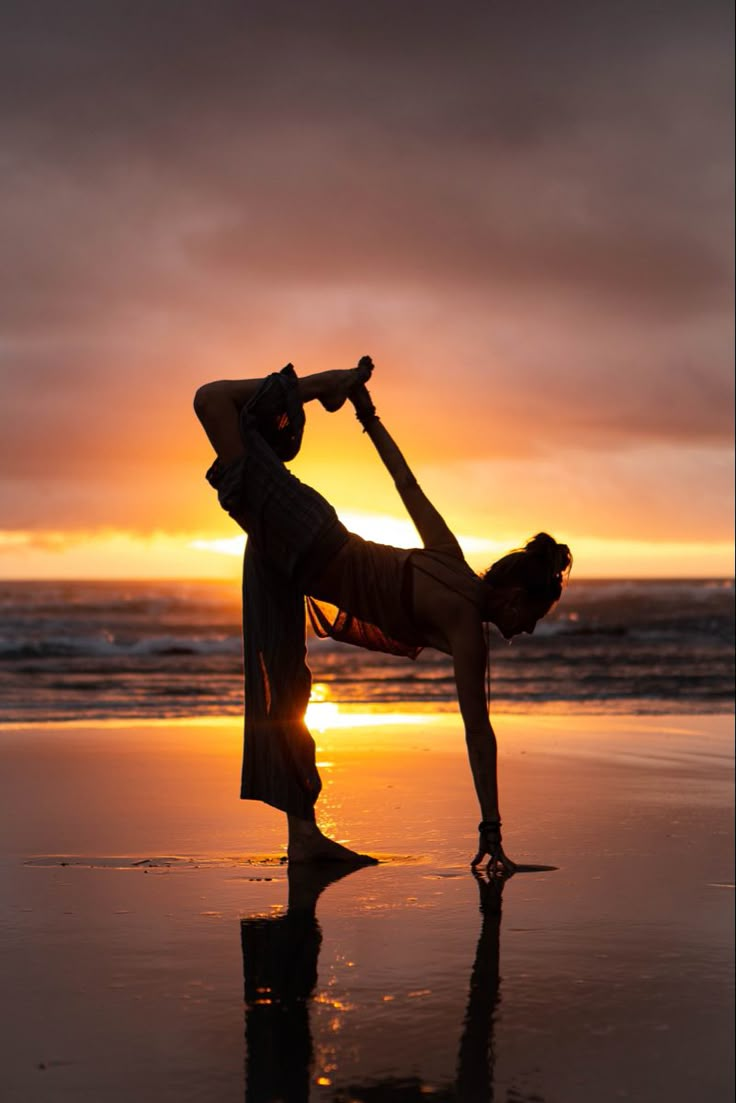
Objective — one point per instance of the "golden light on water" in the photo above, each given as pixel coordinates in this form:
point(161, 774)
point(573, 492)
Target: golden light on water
point(323, 714)
point(330, 1001)
point(326, 715)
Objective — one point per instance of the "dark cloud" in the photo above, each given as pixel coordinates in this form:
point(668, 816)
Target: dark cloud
point(524, 209)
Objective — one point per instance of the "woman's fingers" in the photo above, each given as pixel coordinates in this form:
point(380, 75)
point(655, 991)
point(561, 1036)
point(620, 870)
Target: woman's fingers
point(481, 851)
point(486, 854)
point(502, 863)
point(498, 864)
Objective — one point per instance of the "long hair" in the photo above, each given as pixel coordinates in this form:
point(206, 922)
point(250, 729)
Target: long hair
point(541, 567)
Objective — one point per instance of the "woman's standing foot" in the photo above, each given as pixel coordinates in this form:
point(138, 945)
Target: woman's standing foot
point(308, 844)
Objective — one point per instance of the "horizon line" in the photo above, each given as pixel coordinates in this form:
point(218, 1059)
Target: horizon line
point(230, 581)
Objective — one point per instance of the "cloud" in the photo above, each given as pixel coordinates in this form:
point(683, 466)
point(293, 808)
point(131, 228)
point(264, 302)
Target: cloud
point(525, 217)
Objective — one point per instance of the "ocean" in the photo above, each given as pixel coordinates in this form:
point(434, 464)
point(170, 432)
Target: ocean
point(107, 650)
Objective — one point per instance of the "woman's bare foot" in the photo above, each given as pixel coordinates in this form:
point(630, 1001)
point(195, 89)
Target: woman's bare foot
point(345, 382)
point(308, 844)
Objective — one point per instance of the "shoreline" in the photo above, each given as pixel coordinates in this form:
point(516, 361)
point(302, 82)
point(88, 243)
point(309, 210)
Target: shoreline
point(415, 711)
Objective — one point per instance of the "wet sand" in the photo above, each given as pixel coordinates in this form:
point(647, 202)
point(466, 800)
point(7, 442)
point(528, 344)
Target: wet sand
point(153, 947)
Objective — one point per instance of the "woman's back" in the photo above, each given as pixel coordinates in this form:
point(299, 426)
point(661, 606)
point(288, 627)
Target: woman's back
point(407, 594)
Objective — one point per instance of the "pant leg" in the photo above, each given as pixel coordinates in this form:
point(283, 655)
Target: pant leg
point(291, 531)
point(278, 751)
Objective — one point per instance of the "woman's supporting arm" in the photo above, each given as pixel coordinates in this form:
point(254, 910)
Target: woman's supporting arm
point(469, 657)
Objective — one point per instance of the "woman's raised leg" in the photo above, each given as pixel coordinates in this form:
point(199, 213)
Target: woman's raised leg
point(218, 405)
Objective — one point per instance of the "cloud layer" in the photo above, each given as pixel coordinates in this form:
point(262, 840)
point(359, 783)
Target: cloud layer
point(523, 212)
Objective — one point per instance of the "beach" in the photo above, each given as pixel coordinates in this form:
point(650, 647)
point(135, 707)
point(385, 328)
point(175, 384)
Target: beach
point(425, 310)
point(154, 948)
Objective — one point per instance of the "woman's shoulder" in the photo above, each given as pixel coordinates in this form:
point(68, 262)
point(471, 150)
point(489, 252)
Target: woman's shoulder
point(448, 554)
point(448, 567)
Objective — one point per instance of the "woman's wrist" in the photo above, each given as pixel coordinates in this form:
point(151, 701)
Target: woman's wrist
point(490, 831)
point(365, 411)
point(369, 422)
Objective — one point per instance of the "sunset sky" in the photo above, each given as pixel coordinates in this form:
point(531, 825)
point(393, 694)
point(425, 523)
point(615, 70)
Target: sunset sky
point(521, 211)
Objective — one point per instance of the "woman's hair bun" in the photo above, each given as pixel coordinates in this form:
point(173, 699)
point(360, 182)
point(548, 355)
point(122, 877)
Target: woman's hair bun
point(555, 556)
point(541, 567)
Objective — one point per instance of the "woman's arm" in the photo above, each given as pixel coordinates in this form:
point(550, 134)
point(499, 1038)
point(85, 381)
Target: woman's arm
point(469, 660)
point(429, 523)
point(469, 657)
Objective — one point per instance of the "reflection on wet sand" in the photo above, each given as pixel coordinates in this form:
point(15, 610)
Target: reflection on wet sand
point(280, 971)
point(280, 956)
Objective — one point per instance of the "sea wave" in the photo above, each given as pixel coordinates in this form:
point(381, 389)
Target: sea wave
point(104, 647)
point(90, 650)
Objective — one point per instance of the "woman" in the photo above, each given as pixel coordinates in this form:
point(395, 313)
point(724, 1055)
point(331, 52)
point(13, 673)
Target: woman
point(385, 598)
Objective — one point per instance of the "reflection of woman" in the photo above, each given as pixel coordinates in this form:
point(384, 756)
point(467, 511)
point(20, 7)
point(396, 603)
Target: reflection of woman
point(280, 959)
point(280, 956)
point(476, 1057)
point(386, 598)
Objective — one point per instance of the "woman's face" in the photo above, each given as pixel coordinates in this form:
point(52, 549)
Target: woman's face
point(517, 612)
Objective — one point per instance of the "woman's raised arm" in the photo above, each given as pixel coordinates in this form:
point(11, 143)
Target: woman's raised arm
point(429, 522)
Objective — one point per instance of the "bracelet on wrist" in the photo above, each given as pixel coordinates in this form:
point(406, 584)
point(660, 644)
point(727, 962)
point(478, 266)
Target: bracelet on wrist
point(368, 420)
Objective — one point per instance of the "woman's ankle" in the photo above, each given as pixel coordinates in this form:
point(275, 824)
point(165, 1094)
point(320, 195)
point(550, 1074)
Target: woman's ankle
point(319, 386)
point(302, 828)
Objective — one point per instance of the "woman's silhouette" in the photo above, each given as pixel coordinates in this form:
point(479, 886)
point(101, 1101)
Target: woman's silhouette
point(380, 597)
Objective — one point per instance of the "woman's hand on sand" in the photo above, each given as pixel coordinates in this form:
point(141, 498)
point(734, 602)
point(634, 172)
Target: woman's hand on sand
point(498, 864)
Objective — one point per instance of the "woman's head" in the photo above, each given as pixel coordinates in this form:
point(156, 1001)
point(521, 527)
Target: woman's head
point(523, 586)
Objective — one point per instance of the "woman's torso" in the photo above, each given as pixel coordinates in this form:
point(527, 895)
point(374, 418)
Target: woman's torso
point(443, 590)
point(411, 594)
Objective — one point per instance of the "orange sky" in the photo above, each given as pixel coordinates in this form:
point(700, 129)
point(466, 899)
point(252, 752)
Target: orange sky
point(527, 228)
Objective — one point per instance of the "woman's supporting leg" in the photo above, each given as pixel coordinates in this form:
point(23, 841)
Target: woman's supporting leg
point(261, 495)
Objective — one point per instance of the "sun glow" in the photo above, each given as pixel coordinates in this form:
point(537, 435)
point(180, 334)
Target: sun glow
point(324, 715)
point(381, 528)
point(118, 554)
